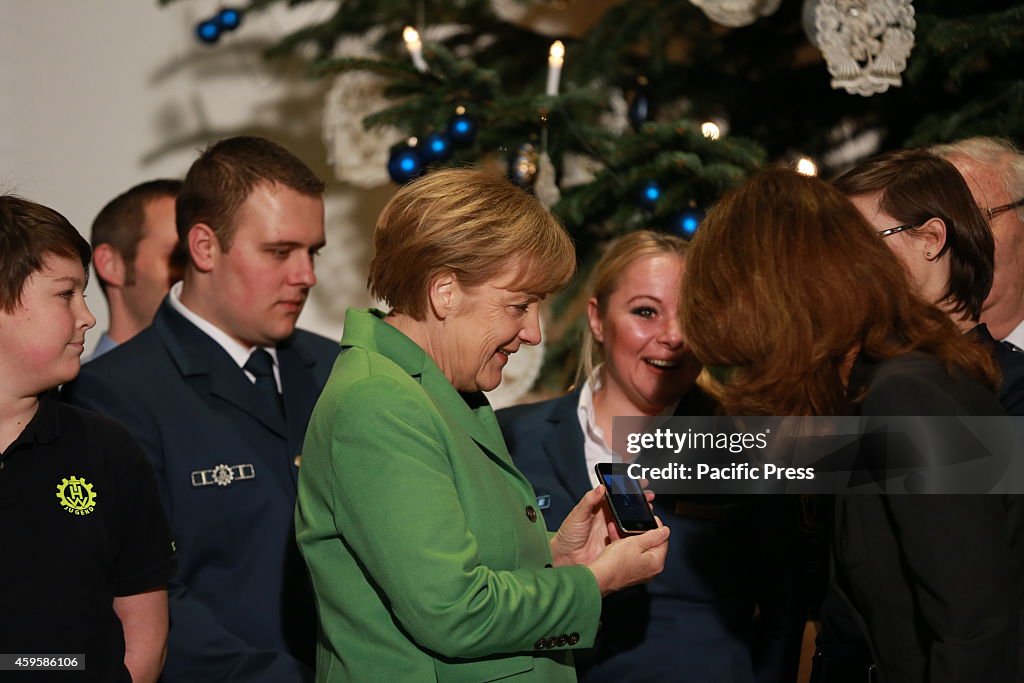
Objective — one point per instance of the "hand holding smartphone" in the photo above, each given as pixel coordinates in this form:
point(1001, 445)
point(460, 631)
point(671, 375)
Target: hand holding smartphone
point(626, 499)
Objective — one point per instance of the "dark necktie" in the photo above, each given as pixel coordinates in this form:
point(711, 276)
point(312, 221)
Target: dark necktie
point(261, 366)
point(1012, 347)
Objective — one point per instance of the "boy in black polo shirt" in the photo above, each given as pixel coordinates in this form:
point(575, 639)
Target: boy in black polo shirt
point(85, 549)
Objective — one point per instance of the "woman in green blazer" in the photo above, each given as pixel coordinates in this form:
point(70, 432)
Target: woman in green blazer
point(428, 556)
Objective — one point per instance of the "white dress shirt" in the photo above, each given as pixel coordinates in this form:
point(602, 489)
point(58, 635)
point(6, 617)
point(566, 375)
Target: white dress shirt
point(595, 445)
point(595, 448)
point(238, 352)
point(1016, 337)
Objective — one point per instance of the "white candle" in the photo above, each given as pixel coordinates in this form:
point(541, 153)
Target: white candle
point(412, 43)
point(556, 57)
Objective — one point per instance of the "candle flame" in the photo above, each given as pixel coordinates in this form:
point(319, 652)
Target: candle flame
point(556, 55)
point(806, 167)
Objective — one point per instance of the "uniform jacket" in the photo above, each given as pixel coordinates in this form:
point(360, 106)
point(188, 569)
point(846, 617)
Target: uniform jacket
point(695, 620)
point(428, 557)
point(241, 608)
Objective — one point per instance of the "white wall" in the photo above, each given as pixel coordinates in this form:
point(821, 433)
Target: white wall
point(98, 95)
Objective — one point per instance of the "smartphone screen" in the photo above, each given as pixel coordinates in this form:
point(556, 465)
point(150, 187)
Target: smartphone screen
point(629, 505)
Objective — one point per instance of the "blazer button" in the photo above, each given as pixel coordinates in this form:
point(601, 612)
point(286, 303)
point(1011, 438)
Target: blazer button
point(552, 643)
point(540, 644)
point(574, 638)
point(562, 640)
point(531, 513)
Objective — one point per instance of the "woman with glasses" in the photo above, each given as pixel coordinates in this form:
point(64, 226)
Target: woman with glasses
point(808, 313)
point(924, 212)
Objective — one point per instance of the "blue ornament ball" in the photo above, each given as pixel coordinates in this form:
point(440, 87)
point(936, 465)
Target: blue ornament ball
point(208, 31)
point(229, 19)
point(649, 194)
point(435, 147)
point(405, 163)
point(462, 129)
point(685, 223)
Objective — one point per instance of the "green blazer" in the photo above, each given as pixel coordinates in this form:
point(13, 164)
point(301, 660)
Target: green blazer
point(428, 557)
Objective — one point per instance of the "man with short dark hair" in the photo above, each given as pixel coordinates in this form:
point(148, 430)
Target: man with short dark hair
point(87, 552)
point(136, 257)
point(219, 390)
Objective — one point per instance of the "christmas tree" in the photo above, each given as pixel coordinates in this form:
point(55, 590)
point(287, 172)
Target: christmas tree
point(644, 111)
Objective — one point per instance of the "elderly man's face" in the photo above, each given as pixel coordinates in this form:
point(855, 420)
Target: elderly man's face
point(989, 191)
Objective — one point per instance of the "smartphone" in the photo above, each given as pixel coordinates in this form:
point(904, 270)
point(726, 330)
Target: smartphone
point(626, 498)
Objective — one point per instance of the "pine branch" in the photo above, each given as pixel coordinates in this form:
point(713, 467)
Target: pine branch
point(402, 71)
point(965, 47)
point(1001, 115)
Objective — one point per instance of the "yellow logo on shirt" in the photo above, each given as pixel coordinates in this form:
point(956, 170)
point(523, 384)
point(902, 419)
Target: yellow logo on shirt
point(76, 495)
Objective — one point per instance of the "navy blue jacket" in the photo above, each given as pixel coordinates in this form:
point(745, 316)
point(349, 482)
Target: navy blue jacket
point(241, 605)
point(695, 621)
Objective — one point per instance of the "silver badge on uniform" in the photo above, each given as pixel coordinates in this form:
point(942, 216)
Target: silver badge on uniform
point(223, 475)
point(544, 502)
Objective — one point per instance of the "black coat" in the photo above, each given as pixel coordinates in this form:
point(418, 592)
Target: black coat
point(928, 586)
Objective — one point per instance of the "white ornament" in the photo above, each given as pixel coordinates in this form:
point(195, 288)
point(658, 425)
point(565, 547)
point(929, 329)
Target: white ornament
point(579, 169)
point(851, 147)
point(865, 42)
point(737, 12)
point(545, 188)
point(359, 157)
point(438, 33)
point(519, 376)
point(616, 119)
point(808, 12)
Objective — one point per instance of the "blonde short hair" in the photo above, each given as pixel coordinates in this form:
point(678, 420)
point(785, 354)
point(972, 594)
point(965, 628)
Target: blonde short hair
point(604, 280)
point(469, 222)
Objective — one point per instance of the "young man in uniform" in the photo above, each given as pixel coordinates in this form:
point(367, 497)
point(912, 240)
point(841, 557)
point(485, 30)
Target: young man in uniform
point(219, 390)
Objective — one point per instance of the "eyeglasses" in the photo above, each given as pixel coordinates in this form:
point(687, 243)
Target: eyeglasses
point(992, 213)
point(899, 228)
